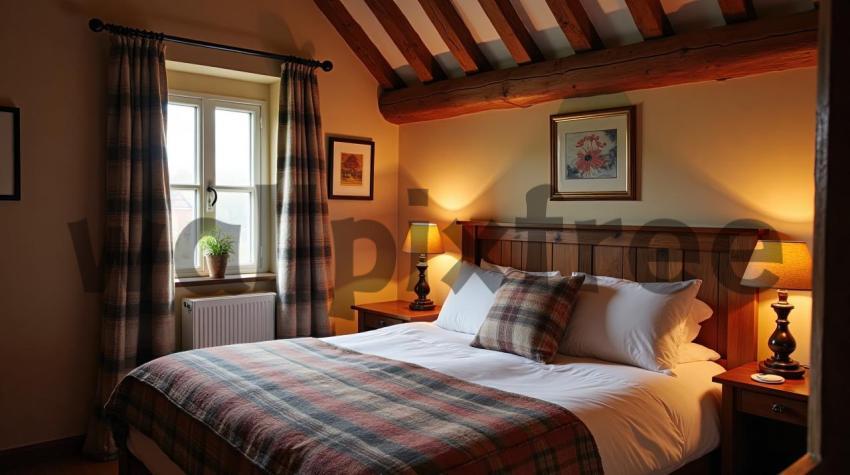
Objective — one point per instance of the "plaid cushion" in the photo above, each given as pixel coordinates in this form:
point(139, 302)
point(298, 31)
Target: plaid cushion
point(529, 315)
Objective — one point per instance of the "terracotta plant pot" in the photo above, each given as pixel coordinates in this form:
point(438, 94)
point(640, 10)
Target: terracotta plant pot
point(217, 265)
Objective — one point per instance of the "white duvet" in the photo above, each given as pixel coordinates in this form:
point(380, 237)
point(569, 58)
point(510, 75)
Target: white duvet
point(643, 422)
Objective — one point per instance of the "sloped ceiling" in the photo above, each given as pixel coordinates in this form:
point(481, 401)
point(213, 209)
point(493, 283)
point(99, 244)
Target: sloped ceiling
point(436, 59)
point(611, 19)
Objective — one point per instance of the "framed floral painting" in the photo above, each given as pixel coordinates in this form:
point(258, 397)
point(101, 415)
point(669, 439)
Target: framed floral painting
point(351, 171)
point(594, 155)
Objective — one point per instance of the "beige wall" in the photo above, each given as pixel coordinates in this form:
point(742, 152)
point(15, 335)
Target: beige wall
point(711, 153)
point(54, 69)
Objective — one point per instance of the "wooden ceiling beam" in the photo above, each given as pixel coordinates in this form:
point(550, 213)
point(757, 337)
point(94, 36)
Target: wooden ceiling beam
point(360, 43)
point(457, 36)
point(407, 40)
point(735, 11)
point(510, 28)
point(743, 49)
point(573, 20)
point(650, 18)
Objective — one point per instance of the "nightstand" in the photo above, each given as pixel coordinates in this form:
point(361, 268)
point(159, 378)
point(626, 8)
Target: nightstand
point(763, 426)
point(371, 316)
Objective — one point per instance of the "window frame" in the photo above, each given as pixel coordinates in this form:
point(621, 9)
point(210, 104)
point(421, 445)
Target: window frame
point(206, 105)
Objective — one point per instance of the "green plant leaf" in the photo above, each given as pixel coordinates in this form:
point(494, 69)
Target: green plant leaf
point(216, 244)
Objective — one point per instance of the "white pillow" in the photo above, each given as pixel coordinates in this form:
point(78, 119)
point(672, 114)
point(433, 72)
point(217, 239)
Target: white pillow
point(507, 270)
point(690, 352)
point(638, 324)
point(700, 312)
point(469, 299)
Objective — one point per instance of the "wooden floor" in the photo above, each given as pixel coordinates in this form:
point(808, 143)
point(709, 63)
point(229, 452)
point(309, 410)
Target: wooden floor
point(63, 465)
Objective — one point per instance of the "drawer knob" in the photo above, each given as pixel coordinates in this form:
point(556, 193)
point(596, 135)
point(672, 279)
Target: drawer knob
point(777, 408)
point(382, 323)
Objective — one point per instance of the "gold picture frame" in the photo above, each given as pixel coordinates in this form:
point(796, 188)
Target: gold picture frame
point(594, 155)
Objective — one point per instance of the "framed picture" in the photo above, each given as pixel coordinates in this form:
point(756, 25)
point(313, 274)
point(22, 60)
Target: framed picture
point(10, 153)
point(594, 155)
point(351, 169)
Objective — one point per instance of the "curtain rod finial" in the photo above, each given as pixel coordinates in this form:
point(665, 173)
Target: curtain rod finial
point(327, 65)
point(96, 24)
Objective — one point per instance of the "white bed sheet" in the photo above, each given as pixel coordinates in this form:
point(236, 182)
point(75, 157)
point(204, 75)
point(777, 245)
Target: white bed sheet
point(643, 422)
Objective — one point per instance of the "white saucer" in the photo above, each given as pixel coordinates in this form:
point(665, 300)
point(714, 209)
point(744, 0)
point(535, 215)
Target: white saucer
point(767, 378)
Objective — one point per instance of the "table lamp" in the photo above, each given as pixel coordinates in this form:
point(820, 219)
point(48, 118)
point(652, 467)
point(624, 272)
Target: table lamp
point(782, 265)
point(422, 239)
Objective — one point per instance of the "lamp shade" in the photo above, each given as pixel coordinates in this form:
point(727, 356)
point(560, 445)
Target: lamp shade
point(779, 265)
point(423, 238)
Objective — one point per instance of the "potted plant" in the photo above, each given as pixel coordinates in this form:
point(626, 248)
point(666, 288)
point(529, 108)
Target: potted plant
point(216, 247)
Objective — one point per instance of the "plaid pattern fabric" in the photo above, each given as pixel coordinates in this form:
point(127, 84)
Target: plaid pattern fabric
point(304, 272)
point(306, 406)
point(137, 323)
point(529, 315)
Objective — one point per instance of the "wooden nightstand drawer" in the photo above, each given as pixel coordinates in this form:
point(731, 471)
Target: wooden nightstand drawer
point(372, 316)
point(773, 407)
point(373, 321)
point(763, 425)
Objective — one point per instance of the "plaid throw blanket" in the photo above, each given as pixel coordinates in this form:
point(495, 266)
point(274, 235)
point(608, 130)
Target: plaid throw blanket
point(307, 406)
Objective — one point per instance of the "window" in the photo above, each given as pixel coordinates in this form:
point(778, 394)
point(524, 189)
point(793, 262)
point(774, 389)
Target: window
point(216, 171)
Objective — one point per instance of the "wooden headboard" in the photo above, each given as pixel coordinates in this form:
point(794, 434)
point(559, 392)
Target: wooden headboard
point(718, 256)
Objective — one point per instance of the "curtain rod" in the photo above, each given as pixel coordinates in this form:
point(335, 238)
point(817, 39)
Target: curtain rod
point(97, 25)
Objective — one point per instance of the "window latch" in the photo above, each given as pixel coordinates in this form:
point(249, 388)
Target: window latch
point(214, 199)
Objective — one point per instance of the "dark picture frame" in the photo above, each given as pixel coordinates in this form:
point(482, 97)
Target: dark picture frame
point(596, 179)
point(346, 168)
point(10, 133)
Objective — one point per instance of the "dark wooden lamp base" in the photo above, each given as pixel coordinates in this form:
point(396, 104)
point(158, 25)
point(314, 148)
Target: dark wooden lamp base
point(422, 288)
point(424, 304)
point(788, 370)
point(782, 344)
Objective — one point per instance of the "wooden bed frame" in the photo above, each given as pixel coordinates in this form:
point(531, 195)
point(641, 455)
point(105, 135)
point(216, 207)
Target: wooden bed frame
point(718, 256)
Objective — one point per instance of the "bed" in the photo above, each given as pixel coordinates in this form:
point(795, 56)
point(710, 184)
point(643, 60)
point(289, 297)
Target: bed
point(639, 421)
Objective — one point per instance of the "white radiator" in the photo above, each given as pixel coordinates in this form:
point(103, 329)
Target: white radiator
point(225, 320)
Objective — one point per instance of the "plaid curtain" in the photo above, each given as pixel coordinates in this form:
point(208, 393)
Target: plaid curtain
point(137, 323)
point(304, 272)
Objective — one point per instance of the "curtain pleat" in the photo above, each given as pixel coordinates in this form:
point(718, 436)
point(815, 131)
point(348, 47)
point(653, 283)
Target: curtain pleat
point(304, 261)
point(137, 324)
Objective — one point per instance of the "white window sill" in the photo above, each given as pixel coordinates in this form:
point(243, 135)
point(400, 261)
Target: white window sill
point(227, 279)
